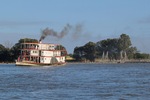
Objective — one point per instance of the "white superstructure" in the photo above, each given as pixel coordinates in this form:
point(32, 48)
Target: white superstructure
point(41, 53)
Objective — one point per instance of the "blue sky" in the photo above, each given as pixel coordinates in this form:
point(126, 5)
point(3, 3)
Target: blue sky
point(100, 19)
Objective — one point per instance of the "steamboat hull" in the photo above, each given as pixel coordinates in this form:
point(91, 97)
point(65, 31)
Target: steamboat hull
point(36, 64)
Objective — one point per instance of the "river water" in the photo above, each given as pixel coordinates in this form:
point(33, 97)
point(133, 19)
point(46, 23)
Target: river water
point(76, 82)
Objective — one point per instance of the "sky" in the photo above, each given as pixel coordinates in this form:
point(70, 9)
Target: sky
point(98, 20)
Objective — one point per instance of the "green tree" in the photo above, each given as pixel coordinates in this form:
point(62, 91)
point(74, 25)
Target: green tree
point(108, 46)
point(2, 49)
point(5, 55)
point(131, 52)
point(141, 56)
point(124, 43)
point(90, 51)
point(79, 53)
point(15, 51)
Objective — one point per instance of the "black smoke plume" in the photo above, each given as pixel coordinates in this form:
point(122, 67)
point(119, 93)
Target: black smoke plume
point(51, 32)
point(75, 31)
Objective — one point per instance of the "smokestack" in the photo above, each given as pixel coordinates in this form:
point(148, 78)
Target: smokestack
point(40, 41)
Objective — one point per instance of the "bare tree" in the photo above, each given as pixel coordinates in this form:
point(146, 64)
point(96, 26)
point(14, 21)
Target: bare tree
point(8, 44)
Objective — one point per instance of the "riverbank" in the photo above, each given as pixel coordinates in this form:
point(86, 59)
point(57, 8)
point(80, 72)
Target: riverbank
point(111, 61)
point(138, 61)
point(7, 62)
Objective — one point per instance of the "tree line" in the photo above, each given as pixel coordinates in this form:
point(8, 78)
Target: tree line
point(113, 49)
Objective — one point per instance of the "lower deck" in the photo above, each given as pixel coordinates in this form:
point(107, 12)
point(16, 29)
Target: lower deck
point(41, 59)
point(30, 63)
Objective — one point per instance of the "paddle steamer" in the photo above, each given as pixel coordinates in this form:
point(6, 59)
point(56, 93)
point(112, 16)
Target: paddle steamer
point(37, 54)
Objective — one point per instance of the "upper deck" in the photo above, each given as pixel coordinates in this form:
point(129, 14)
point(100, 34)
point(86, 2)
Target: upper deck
point(41, 46)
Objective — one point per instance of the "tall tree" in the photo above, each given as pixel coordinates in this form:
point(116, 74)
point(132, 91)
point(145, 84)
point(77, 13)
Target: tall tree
point(123, 44)
point(90, 51)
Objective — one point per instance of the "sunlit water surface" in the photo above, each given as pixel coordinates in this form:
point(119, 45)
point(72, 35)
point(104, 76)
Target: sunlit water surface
point(75, 82)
